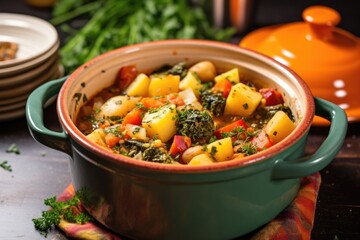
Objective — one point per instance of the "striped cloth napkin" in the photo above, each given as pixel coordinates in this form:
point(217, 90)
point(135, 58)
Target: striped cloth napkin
point(294, 222)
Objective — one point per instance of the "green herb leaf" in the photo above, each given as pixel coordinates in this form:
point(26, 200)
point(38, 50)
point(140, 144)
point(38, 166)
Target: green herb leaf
point(13, 148)
point(68, 210)
point(6, 166)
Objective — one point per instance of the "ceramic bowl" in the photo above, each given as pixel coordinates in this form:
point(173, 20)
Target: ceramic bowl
point(30, 74)
point(146, 200)
point(33, 35)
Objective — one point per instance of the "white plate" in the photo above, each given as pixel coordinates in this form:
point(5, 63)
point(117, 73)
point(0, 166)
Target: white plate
point(54, 70)
point(19, 112)
point(27, 76)
point(20, 68)
point(33, 35)
point(13, 100)
point(14, 106)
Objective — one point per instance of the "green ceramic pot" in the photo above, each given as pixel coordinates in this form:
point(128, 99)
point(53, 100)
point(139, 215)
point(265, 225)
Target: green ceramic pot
point(145, 200)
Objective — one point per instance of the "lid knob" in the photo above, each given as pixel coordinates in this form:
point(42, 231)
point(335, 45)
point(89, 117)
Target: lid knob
point(321, 20)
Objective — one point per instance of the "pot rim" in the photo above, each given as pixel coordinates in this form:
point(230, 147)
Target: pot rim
point(301, 129)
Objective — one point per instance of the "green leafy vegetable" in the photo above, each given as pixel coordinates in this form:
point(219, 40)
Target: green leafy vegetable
point(178, 69)
point(214, 102)
point(154, 154)
point(111, 24)
point(68, 210)
point(6, 166)
point(198, 125)
point(13, 148)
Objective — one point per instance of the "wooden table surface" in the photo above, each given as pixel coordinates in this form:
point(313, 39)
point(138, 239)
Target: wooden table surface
point(40, 172)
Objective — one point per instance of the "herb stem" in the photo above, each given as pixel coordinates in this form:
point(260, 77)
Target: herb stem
point(75, 13)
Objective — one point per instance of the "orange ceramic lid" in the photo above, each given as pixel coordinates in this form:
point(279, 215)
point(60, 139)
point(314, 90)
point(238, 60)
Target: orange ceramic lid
point(326, 57)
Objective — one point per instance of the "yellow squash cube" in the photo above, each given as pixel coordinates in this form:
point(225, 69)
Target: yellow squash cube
point(163, 85)
point(200, 160)
point(231, 75)
point(242, 100)
point(139, 87)
point(98, 137)
point(161, 124)
point(279, 126)
point(190, 81)
point(221, 150)
point(136, 132)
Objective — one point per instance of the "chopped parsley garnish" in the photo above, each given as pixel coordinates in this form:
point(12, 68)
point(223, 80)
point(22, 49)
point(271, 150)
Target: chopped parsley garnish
point(248, 148)
point(68, 210)
point(6, 166)
point(245, 106)
point(13, 148)
point(213, 151)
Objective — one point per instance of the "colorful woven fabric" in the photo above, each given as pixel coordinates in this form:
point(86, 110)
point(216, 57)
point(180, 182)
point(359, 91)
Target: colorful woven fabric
point(295, 222)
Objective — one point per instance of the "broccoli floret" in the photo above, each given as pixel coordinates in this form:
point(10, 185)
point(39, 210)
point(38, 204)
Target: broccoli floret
point(214, 102)
point(198, 125)
point(178, 69)
point(148, 153)
point(133, 147)
point(154, 154)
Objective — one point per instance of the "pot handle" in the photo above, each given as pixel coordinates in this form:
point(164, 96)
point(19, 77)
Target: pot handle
point(34, 116)
point(308, 165)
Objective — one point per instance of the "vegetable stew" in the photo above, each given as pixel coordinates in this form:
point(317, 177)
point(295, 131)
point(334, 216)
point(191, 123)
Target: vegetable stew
point(185, 115)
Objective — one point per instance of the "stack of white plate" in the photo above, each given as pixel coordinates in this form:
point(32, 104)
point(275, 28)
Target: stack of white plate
point(36, 61)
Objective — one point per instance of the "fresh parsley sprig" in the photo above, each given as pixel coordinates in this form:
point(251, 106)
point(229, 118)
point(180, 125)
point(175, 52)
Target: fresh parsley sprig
point(67, 210)
point(13, 148)
point(6, 166)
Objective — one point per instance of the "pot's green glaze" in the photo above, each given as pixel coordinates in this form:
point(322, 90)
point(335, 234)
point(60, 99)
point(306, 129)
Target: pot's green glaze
point(212, 205)
point(217, 205)
point(144, 201)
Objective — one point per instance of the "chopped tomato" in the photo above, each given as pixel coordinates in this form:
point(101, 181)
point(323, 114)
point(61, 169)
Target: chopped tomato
point(261, 141)
point(150, 102)
point(125, 76)
point(111, 140)
point(175, 99)
point(223, 86)
point(228, 128)
point(179, 145)
point(133, 117)
point(271, 96)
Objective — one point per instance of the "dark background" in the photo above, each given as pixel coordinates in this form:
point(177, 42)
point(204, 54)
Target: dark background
point(40, 172)
point(266, 12)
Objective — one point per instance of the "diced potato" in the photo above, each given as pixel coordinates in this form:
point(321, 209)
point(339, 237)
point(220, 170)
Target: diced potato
point(98, 137)
point(139, 87)
point(117, 106)
point(190, 81)
point(163, 85)
point(242, 100)
point(136, 132)
point(221, 150)
point(200, 160)
point(279, 126)
point(161, 124)
point(231, 75)
point(188, 96)
point(205, 70)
